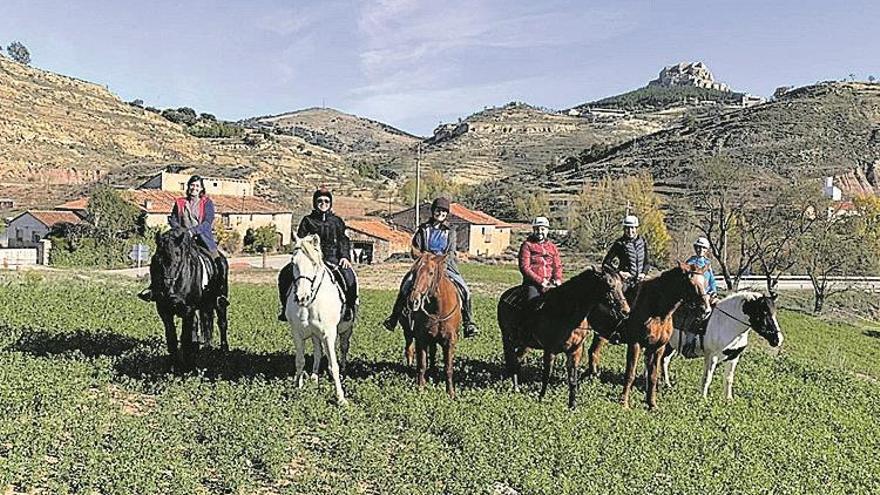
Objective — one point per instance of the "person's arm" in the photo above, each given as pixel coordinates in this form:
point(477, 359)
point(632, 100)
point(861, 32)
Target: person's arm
point(303, 229)
point(710, 280)
point(451, 244)
point(174, 218)
point(525, 264)
point(416, 244)
point(343, 242)
point(646, 261)
point(557, 265)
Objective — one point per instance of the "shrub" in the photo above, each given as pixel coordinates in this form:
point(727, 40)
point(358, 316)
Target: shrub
point(19, 53)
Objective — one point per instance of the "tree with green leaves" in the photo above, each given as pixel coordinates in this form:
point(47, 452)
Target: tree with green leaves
point(112, 216)
point(595, 215)
point(265, 239)
point(19, 53)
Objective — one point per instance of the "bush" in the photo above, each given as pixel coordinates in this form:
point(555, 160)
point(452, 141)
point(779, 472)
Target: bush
point(19, 53)
point(265, 240)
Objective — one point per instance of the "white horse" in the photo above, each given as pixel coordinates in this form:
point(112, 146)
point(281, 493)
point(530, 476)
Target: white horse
point(314, 309)
point(727, 334)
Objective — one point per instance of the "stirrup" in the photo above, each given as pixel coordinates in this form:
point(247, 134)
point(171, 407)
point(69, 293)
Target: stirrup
point(223, 301)
point(470, 330)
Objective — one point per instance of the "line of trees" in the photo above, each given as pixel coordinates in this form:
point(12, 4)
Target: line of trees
point(759, 222)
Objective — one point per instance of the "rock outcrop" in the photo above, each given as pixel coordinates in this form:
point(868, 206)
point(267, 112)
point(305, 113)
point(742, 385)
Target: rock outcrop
point(694, 74)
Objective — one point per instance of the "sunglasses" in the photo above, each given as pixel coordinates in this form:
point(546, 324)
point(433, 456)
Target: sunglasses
point(323, 201)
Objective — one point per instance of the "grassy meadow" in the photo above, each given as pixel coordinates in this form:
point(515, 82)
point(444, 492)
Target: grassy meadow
point(87, 405)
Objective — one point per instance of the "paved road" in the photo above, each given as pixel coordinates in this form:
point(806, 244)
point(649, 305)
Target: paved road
point(801, 282)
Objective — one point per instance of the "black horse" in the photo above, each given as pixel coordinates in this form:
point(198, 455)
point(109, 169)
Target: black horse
point(188, 283)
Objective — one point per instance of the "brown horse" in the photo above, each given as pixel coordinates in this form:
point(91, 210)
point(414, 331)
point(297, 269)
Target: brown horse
point(555, 322)
point(649, 325)
point(434, 316)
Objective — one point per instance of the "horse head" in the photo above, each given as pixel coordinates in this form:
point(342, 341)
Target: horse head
point(307, 267)
point(427, 271)
point(761, 312)
point(694, 287)
point(171, 249)
point(613, 285)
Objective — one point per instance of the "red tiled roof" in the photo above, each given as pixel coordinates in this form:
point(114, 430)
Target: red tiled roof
point(379, 230)
point(50, 218)
point(158, 201)
point(475, 217)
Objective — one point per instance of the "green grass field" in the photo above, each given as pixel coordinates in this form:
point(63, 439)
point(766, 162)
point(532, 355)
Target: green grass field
point(87, 406)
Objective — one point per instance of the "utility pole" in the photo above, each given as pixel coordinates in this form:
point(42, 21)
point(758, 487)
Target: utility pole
point(418, 185)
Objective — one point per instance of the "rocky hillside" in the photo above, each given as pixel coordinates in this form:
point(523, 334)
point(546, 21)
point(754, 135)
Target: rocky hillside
point(503, 141)
point(59, 135)
point(826, 129)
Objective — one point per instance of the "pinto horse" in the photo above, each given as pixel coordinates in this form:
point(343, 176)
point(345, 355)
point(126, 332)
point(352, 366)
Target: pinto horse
point(555, 322)
point(434, 316)
point(188, 283)
point(649, 325)
point(727, 335)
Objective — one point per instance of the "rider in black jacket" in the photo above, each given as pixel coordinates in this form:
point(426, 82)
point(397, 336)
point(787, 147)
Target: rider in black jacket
point(335, 249)
point(631, 253)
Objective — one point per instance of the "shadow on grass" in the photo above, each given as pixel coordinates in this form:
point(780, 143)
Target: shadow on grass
point(872, 333)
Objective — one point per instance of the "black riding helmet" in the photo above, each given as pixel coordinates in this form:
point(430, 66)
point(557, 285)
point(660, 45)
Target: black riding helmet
point(441, 203)
point(321, 192)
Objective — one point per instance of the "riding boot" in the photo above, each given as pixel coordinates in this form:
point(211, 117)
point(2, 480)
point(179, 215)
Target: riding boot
point(396, 311)
point(467, 312)
point(689, 349)
point(285, 280)
point(223, 274)
point(351, 298)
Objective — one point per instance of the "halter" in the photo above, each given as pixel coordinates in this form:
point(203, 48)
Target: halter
point(432, 289)
point(315, 288)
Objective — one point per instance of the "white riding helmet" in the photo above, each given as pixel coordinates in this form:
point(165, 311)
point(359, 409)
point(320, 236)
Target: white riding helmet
point(702, 242)
point(630, 221)
point(541, 222)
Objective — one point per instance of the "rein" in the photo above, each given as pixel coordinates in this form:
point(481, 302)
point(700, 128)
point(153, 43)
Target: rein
point(748, 324)
point(432, 292)
point(314, 292)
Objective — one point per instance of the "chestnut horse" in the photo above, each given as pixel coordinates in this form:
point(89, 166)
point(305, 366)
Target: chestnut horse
point(434, 316)
point(555, 322)
point(649, 325)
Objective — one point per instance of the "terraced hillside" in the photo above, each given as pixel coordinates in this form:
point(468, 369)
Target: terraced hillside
point(58, 135)
point(819, 130)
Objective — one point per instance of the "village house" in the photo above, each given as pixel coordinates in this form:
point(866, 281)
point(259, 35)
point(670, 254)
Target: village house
point(238, 213)
point(477, 233)
point(373, 240)
point(176, 182)
point(28, 228)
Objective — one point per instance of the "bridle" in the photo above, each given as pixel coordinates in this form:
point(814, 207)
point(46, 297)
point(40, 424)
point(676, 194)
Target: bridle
point(315, 282)
point(431, 290)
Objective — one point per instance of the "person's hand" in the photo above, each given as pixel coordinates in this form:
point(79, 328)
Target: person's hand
point(557, 283)
point(641, 276)
point(344, 263)
point(545, 284)
point(625, 275)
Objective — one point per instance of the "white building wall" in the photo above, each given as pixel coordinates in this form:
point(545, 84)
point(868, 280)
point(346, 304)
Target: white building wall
point(25, 231)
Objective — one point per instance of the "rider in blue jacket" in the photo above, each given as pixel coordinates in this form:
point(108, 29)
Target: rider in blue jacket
point(701, 260)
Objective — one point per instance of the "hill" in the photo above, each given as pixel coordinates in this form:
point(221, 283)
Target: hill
point(824, 129)
point(59, 135)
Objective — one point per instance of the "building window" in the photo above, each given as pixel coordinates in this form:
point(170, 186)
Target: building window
point(19, 235)
point(487, 235)
point(35, 237)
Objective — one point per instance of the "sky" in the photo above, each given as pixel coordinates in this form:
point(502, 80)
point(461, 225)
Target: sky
point(416, 63)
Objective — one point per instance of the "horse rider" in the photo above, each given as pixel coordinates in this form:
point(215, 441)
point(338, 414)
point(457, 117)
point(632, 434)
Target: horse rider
point(631, 253)
point(698, 327)
point(195, 213)
point(539, 261)
point(335, 249)
point(437, 237)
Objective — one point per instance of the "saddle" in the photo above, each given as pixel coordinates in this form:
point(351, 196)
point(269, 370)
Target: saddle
point(517, 300)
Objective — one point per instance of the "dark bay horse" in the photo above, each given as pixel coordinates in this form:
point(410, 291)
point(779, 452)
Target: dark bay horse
point(555, 322)
point(434, 316)
point(649, 325)
point(188, 284)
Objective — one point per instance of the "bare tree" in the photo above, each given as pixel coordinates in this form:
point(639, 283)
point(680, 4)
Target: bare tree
point(831, 248)
point(776, 224)
point(722, 192)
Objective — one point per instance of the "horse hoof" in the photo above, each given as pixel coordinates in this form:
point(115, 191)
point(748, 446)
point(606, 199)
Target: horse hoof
point(314, 377)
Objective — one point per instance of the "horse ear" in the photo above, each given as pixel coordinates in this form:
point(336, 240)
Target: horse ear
point(682, 266)
point(774, 296)
point(314, 239)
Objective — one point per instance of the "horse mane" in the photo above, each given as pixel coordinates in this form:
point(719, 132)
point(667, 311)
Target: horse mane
point(567, 293)
point(748, 295)
point(311, 251)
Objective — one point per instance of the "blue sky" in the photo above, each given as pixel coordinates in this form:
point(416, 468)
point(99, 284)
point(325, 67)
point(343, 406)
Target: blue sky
point(414, 64)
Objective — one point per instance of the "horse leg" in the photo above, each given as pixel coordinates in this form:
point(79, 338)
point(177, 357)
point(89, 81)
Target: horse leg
point(633, 350)
point(187, 346)
point(223, 325)
point(170, 331)
point(207, 325)
point(572, 363)
point(729, 368)
point(317, 355)
point(653, 359)
point(709, 365)
point(667, 357)
point(333, 365)
point(595, 350)
point(448, 357)
point(422, 359)
point(299, 343)
point(344, 345)
point(511, 362)
point(545, 372)
point(409, 352)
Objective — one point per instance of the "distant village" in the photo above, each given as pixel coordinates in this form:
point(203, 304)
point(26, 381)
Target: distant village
point(375, 237)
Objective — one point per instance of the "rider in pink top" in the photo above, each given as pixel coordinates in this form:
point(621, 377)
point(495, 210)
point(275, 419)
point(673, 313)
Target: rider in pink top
point(539, 260)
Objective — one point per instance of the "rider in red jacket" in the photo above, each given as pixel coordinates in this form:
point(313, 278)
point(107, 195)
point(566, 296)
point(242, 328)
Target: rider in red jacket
point(539, 260)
